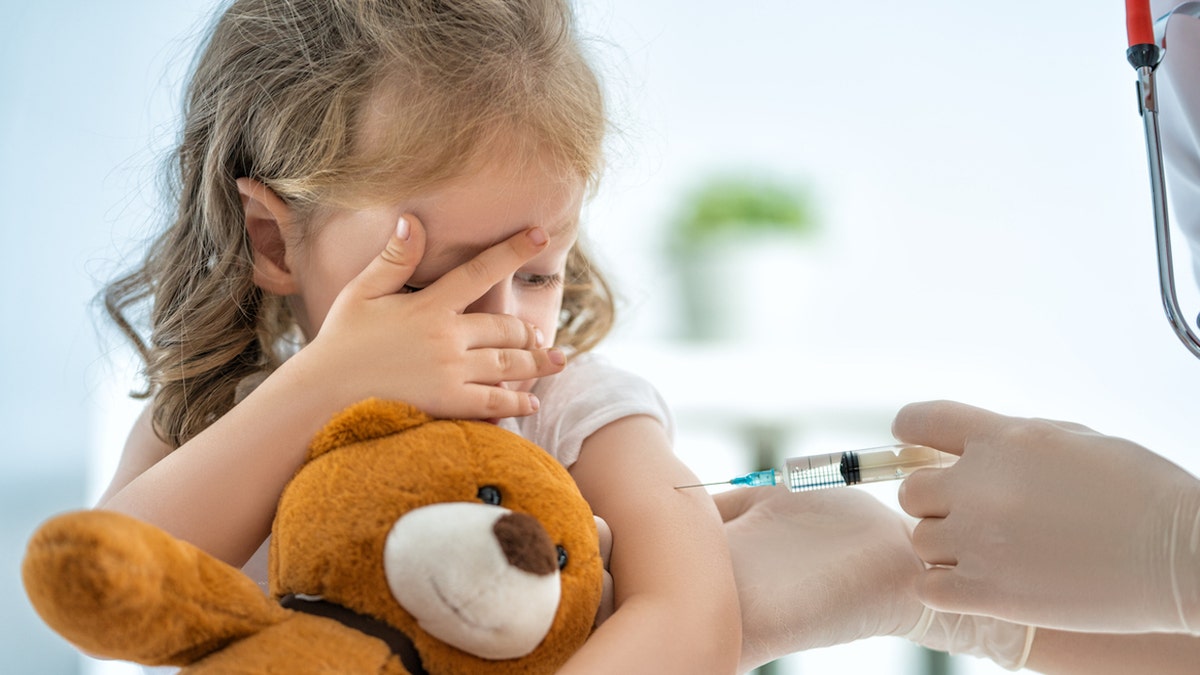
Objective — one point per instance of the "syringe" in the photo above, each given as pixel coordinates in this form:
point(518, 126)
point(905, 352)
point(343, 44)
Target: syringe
point(852, 467)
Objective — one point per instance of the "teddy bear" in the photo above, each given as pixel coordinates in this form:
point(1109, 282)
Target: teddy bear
point(403, 544)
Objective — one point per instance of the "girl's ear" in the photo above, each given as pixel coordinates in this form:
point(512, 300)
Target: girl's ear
point(268, 223)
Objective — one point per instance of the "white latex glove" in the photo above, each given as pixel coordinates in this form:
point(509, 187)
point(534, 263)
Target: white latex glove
point(816, 569)
point(1000, 641)
point(1051, 524)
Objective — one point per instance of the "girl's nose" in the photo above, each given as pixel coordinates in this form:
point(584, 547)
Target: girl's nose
point(497, 300)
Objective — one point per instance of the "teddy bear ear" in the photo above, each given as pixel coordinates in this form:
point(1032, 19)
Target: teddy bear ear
point(364, 421)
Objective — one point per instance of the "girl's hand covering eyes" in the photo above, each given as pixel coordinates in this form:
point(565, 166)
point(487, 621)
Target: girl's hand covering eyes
point(419, 347)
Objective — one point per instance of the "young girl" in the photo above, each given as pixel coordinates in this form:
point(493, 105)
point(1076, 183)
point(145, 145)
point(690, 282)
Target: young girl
point(382, 199)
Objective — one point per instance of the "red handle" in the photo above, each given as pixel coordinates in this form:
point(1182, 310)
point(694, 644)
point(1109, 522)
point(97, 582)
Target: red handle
point(1139, 24)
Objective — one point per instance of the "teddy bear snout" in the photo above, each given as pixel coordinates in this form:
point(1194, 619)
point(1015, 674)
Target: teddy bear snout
point(478, 577)
point(526, 544)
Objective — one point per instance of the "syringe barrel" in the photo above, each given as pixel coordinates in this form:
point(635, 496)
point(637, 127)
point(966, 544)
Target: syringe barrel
point(814, 472)
point(892, 462)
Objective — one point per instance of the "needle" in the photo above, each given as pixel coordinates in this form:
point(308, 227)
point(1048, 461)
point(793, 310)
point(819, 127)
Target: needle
point(753, 479)
point(684, 487)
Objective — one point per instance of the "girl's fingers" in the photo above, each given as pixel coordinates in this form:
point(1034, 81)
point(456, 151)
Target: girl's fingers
point(606, 540)
point(501, 331)
point(481, 401)
point(513, 365)
point(468, 282)
point(606, 595)
point(394, 266)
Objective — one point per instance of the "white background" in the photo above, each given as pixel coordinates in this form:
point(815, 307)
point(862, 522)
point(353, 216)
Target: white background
point(978, 168)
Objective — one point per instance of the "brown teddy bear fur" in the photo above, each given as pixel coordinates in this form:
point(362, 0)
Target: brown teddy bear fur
point(119, 588)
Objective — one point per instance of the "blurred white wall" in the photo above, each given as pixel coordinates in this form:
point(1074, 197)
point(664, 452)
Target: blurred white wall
point(86, 94)
point(979, 169)
point(981, 172)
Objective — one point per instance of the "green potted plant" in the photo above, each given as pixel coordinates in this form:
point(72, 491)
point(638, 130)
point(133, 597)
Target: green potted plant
point(735, 239)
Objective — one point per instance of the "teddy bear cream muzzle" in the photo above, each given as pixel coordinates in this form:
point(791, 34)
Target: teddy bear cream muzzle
point(481, 578)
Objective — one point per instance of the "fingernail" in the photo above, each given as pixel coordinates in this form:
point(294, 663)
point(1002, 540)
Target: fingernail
point(402, 228)
point(534, 402)
point(539, 337)
point(537, 235)
point(557, 357)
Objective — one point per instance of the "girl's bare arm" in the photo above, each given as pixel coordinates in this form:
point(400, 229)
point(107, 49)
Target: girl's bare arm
point(676, 602)
point(218, 490)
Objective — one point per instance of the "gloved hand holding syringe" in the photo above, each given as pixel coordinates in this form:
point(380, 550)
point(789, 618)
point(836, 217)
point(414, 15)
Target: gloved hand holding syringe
point(851, 467)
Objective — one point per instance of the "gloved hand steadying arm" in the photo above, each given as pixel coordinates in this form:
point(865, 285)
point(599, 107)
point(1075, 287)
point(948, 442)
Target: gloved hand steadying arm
point(1051, 524)
point(816, 569)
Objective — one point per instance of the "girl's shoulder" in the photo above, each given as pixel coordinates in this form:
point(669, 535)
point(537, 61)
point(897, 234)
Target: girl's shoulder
point(591, 380)
point(589, 394)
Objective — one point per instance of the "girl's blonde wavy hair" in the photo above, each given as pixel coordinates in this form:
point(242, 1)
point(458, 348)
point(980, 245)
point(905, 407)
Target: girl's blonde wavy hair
point(281, 94)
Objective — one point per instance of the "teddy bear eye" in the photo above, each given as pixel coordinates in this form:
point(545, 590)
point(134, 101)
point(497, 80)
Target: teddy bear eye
point(489, 494)
point(562, 557)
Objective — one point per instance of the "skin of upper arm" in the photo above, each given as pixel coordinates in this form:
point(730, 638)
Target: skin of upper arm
point(143, 449)
point(667, 544)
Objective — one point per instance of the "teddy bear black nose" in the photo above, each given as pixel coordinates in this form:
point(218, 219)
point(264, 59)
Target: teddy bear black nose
point(526, 544)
